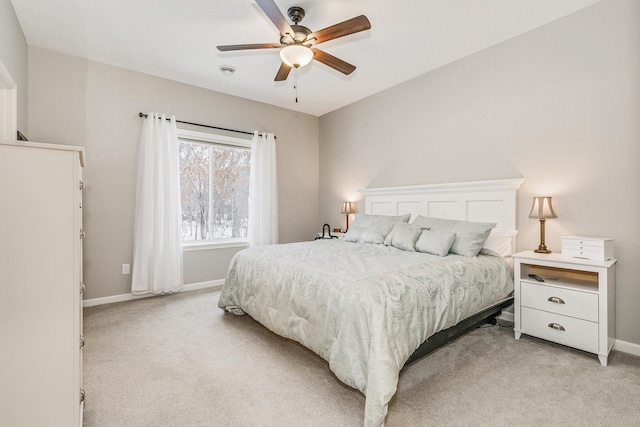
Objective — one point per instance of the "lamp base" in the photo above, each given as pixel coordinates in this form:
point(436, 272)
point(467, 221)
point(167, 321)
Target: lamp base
point(542, 248)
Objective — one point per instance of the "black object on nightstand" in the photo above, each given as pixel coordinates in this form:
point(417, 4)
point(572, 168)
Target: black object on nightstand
point(326, 233)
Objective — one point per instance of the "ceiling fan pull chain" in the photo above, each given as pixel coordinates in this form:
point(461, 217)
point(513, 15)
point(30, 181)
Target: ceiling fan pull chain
point(295, 82)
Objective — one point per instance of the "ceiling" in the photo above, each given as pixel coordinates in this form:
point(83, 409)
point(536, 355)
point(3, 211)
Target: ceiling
point(177, 40)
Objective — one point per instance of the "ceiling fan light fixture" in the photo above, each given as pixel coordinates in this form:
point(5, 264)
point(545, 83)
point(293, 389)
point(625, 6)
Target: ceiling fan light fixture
point(296, 55)
point(296, 40)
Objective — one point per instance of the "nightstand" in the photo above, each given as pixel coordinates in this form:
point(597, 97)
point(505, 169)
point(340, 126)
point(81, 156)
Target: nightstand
point(337, 234)
point(574, 306)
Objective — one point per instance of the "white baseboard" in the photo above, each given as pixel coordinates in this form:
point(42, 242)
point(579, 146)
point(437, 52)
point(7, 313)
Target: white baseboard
point(627, 347)
point(128, 297)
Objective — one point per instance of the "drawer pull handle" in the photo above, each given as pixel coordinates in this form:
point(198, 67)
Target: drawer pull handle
point(81, 341)
point(81, 395)
point(556, 300)
point(556, 326)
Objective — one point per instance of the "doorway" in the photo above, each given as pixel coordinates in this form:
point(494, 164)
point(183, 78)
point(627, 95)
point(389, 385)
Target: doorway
point(8, 105)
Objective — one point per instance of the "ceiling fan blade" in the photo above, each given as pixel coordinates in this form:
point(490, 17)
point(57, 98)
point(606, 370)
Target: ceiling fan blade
point(283, 73)
point(270, 8)
point(230, 47)
point(333, 62)
point(350, 26)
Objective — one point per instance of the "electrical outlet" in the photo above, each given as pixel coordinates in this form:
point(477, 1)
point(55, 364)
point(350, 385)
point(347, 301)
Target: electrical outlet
point(126, 269)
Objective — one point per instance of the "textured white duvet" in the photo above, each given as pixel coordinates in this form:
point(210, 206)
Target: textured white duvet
point(364, 308)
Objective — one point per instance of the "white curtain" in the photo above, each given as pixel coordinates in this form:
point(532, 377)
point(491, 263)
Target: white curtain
point(263, 191)
point(157, 251)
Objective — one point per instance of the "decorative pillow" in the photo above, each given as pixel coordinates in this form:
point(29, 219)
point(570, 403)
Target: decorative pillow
point(359, 224)
point(500, 240)
point(470, 236)
point(372, 228)
point(403, 236)
point(435, 242)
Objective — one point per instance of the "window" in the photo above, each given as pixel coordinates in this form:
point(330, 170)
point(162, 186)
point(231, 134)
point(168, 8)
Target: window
point(214, 185)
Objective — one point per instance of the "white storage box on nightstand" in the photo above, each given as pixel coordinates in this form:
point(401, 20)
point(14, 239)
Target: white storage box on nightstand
point(595, 248)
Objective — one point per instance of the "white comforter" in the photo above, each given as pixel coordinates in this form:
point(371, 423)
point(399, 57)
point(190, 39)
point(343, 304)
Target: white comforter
point(364, 308)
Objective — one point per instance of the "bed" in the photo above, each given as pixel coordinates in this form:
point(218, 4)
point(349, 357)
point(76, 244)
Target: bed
point(370, 308)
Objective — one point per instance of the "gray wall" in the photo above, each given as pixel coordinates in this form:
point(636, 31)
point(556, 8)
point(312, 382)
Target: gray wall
point(559, 106)
point(13, 54)
point(79, 102)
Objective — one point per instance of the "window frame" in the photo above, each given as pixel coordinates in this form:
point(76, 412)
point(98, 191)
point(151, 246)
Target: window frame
point(219, 140)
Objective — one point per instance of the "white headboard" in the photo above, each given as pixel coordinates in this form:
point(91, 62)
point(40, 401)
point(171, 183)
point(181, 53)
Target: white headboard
point(480, 201)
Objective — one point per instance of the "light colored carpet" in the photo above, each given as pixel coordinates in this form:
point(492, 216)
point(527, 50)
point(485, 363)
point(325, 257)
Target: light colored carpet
point(178, 360)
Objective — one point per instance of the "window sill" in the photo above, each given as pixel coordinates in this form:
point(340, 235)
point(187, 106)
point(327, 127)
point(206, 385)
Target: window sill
point(204, 246)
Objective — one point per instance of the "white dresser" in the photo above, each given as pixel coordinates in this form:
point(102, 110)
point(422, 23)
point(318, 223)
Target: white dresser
point(41, 284)
point(573, 306)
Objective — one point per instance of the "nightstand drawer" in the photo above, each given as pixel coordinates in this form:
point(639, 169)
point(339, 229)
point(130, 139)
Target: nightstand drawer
point(582, 305)
point(576, 333)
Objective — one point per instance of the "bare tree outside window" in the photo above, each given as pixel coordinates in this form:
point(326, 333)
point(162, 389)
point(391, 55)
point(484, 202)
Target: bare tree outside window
point(214, 183)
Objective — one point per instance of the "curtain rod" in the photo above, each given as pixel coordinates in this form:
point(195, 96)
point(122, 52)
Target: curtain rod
point(206, 126)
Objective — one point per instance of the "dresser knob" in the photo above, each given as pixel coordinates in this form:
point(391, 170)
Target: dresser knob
point(556, 326)
point(556, 300)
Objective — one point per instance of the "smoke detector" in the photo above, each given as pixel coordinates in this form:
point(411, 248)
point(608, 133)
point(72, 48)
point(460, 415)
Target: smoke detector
point(227, 70)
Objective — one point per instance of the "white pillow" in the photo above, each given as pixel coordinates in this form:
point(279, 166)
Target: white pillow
point(470, 236)
point(435, 242)
point(372, 228)
point(500, 240)
point(403, 236)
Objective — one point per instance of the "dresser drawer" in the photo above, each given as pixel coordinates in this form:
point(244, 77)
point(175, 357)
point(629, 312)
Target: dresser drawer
point(588, 253)
point(576, 333)
point(586, 243)
point(582, 305)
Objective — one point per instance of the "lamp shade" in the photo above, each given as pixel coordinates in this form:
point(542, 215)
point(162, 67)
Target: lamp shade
point(542, 208)
point(348, 208)
point(296, 55)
